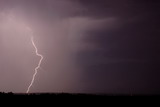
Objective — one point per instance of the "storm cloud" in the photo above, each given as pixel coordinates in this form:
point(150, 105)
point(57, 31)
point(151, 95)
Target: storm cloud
point(100, 46)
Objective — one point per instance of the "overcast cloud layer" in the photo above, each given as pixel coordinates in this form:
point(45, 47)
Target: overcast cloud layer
point(90, 46)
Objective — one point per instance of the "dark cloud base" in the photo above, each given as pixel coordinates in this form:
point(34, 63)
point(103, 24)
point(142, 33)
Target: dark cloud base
point(127, 57)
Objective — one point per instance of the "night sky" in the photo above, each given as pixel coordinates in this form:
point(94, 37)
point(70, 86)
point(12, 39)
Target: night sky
point(89, 46)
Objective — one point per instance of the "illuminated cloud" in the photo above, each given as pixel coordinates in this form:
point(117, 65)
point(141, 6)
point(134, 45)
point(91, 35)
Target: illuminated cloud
point(103, 46)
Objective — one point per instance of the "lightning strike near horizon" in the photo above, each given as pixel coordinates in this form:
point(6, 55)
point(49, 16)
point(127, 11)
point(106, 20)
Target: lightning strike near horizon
point(39, 63)
point(11, 21)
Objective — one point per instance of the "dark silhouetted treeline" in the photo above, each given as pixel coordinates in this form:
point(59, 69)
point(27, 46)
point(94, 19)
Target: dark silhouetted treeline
point(51, 94)
point(67, 94)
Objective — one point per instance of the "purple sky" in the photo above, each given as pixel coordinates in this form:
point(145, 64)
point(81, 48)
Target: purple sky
point(89, 46)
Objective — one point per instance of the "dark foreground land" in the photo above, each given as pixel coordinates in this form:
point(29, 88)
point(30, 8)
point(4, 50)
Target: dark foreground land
point(67, 94)
point(53, 94)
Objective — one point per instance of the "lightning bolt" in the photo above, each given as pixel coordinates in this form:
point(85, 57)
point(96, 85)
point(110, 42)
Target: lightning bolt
point(12, 21)
point(39, 64)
